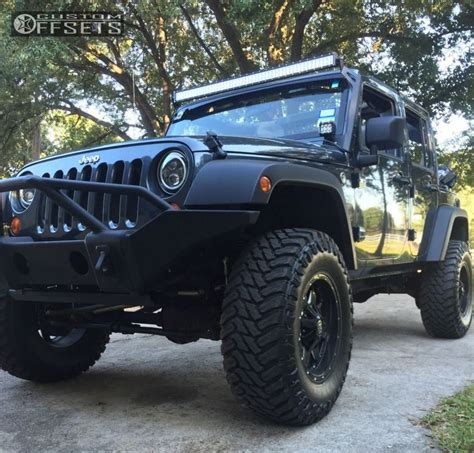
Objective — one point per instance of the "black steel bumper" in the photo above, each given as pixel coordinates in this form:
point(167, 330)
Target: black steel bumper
point(114, 261)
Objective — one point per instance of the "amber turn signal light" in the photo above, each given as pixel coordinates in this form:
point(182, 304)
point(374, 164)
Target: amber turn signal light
point(265, 184)
point(15, 226)
point(175, 206)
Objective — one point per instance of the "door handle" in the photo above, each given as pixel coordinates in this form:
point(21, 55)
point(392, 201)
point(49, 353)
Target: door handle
point(431, 187)
point(401, 180)
point(428, 184)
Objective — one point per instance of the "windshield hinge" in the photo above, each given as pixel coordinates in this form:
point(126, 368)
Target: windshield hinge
point(214, 143)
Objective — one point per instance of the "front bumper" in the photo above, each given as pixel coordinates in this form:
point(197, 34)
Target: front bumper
point(114, 261)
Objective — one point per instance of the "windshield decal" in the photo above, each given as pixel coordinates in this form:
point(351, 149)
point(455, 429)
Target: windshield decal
point(327, 112)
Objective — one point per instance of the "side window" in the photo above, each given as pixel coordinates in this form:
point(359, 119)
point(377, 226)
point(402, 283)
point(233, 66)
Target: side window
point(418, 146)
point(374, 105)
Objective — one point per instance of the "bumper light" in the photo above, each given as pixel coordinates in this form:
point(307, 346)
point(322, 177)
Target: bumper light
point(15, 226)
point(265, 184)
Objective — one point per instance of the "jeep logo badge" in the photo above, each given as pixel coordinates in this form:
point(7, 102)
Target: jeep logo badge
point(89, 159)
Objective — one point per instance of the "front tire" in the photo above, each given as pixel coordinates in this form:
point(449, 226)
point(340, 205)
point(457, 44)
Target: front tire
point(32, 352)
point(287, 326)
point(445, 299)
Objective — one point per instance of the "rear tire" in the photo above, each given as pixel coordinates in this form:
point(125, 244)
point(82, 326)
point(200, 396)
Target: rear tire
point(27, 352)
point(445, 299)
point(287, 326)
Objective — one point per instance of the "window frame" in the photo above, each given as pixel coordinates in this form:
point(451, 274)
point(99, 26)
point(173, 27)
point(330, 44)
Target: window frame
point(396, 111)
point(428, 150)
point(341, 119)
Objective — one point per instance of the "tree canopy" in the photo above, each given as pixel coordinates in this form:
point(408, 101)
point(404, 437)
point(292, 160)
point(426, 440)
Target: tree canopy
point(103, 89)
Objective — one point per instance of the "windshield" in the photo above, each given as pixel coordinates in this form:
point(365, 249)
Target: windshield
point(292, 112)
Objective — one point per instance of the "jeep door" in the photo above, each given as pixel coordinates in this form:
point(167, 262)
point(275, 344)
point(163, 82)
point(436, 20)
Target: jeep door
point(382, 197)
point(423, 171)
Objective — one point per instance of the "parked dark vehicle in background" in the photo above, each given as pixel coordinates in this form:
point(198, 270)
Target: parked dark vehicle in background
point(275, 200)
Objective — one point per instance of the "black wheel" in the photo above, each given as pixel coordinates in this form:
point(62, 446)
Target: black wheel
point(287, 326)
point(33, 350)
point(445, 299)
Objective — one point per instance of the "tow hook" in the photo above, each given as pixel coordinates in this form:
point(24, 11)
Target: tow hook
point(104, 263)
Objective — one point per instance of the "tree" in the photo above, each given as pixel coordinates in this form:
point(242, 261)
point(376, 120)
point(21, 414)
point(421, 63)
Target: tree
point(170, 44)
point(461, 161)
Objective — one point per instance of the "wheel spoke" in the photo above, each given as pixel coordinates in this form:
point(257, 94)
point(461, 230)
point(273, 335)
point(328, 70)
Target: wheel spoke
point(306, 357)
point(461, 290)
point(313, 311)
point(315, 343)
point(307, 323)
point(311, 298)
point(319, 332)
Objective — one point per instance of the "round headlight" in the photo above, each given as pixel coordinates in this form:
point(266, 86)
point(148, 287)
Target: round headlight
point(21, 199)
point(26, 197)
point(172, 171)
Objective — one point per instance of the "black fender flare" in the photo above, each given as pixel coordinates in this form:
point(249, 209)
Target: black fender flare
point(438, 231)
point(3, 221)
point(236, 182)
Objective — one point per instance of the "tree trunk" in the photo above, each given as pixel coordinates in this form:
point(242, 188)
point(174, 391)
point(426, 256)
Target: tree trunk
point(165, 82)
point(231, 34)
point(201, 42)
point(36, 141)
point(275, 50)
point(302, 20)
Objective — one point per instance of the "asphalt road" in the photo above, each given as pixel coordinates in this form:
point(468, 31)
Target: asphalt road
point(148, 394)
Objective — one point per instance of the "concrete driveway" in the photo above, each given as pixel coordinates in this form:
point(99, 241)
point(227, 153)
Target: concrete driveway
point(148, 394)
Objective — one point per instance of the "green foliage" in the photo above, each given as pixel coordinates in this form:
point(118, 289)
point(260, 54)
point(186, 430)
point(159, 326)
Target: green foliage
point(466, 197)
point(72, 132)
point(452, 422)
point(373, 218)
point(462, 163)
point(124, 85)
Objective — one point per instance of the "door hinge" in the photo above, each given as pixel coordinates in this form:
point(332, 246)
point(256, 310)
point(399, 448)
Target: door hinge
point(355, 180)
point(358, 233)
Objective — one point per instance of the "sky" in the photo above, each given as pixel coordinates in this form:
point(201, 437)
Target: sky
point(450, 130)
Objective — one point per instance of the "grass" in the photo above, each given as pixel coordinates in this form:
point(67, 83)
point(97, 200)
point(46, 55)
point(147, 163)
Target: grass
point(452, 422)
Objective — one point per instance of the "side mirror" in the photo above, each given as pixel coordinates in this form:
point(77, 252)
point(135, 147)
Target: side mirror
point(385, 132)
point(446, 177)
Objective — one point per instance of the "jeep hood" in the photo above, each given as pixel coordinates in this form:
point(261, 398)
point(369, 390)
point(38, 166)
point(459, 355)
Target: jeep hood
point(291, 149)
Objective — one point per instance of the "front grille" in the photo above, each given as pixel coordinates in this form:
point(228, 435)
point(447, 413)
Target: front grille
point(116, 211)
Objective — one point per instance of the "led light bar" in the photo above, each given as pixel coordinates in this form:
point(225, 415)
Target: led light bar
point(326, 61)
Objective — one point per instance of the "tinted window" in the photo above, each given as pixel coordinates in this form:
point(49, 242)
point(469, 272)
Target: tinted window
point(418, 139)
point(375, 105)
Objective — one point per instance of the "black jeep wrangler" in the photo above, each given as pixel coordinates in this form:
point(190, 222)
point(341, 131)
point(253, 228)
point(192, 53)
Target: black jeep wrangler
point(274, 200)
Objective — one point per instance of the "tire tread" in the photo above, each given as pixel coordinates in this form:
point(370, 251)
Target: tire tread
point(253, 325)
point(437, 299)
point(15, 360)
